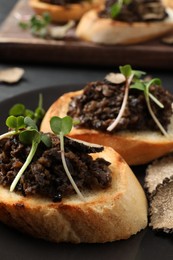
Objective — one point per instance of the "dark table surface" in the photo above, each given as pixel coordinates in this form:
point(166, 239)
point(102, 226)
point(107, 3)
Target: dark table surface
point(47, 75)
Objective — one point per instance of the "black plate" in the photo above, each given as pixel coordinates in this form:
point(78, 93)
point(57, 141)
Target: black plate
point(15, 245)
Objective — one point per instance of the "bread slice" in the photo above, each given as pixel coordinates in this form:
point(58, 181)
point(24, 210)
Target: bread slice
point(135, 147)
point(106, 215)
point(107, 31)
point(168, 3)
point(64, 13)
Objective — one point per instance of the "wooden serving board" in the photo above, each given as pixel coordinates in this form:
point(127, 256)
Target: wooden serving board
point(17, 45)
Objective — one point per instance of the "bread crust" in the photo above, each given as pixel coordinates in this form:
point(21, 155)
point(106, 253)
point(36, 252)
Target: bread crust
point(136, 148)
point(107, 215)
point(168, 3)
point(107, 31)
point(64, 13)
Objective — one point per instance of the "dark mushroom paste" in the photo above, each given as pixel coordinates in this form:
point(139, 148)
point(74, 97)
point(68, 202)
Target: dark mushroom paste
point(136, 11)
point(61, 2)
point(45, 175)
point(100, 104)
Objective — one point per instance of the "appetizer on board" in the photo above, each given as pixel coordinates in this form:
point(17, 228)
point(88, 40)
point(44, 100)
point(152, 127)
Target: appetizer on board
point(127, 111)
point(126, 22)
point(59, 189)
point(64, 10)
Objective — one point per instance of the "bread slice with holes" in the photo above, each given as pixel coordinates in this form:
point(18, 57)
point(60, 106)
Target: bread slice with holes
point(136, 148)
point(106, 215)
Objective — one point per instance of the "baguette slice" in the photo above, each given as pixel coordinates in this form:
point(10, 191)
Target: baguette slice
point(135, 147)
point(64, 13)
point(107, 215)
point(107, 31)
point(168, 3)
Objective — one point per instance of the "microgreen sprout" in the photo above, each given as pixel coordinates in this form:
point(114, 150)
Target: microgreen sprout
point(61, 127)
point(144, 86)
point(117, 7)
point(20, 110)
point(129, 74)
point(134, 81)
point(38, 24)
point(15, 124)
point(28, 133)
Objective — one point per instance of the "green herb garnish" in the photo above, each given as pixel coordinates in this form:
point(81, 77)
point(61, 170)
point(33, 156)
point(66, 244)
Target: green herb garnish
point(38, 24)
point(117, 7)
point(129, 74)
point(28, 133)
point(144, 86)
point(61, 127)
point(134, 81)
point(37, 114)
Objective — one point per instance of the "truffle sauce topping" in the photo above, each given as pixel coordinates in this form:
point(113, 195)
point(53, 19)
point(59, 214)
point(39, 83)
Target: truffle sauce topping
point(134, 10)
point(100, 103)
point(45, 175)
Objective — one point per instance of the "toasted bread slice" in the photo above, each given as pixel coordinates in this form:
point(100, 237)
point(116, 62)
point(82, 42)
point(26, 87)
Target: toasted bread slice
point(107, 31)
point(106, 215)
point(168, 3)
point(136, 148)
point(65, 13)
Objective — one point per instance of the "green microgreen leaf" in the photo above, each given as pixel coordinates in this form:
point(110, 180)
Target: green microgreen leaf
point(61, 127)
point(76, 122)
point(21, 110)
point(17, 110)
point(126, 70)
point(116, 8)
point(144, 86)
point(155, 81)
point(30, 135)
point(30, 123)
point(29, 113)
point(138, 85)
point(138, 73)
point(15, 123)
point(56, 124)
point(67, 123)
point(46, 140)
